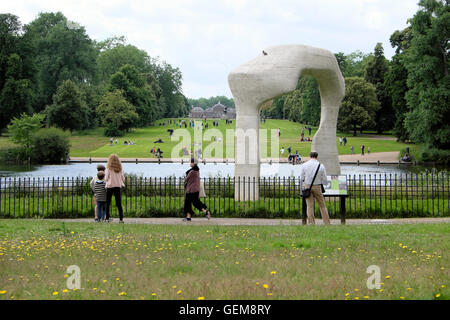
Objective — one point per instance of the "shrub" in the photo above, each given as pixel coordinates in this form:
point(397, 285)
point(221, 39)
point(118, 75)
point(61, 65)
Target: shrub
point(436, 155)
point(113, 132)
point(13, 154)
point(50, 145)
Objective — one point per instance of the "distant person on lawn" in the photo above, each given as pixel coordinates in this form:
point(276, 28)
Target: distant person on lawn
point(114, 182)
point(192, 188)
point(307, 172)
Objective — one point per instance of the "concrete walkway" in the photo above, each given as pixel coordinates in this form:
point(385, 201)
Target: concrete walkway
point(260, 222)
point(373, 158)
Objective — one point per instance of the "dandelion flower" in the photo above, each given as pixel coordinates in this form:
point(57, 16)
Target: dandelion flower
point(388, 277)
point(55, 293)
point(265, 286)
point(438, 295)
point(201, 298)
point(122, 293)
point(65, 290)
point(3, 292)
point(273, 273)
point(179, 291)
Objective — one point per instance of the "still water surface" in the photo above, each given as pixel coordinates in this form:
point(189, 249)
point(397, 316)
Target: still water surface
point(178, 170)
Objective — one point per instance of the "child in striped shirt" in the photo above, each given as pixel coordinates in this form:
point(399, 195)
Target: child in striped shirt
point(100, 195)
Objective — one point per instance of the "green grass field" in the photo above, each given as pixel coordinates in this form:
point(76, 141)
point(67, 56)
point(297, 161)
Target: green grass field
point(217, 262)
point(92, 143)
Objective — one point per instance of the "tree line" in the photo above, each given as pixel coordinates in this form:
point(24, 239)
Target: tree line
point(52, 67)
point(408, 95)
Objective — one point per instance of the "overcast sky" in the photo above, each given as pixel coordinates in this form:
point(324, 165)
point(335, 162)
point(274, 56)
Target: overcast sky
point(207, 39)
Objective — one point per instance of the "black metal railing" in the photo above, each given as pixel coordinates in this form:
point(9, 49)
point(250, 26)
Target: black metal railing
point(376, 195)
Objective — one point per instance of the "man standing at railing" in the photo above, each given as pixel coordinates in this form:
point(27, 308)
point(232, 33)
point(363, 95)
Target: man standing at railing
point(313, 176)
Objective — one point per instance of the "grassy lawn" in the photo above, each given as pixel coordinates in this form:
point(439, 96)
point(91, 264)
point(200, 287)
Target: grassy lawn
point(188, 262)
point(93, 143)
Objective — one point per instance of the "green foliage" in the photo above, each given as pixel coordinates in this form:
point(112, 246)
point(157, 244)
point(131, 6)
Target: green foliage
point(50, 145)
point(301, 105)
point(205, 103)
point(376, 69)
point(16, 90)
point(437, 156)
point(63, 51)
point(353, 64)
point(137, 92)
point(117, 114)
point(68, 111)
point(359, 106)
point(426, 60)
point(22, 129)
point(396, 82)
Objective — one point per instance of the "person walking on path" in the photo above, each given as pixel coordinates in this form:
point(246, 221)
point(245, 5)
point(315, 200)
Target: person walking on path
point(362, 150)
point(345, 141)
point(352, 149)
point(313, 172)
point(340, 142)
point(192, 197)
point(114, 182)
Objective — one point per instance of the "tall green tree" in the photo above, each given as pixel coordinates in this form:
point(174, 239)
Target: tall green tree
point(68, 111)
point(115, 54)
point(117, 114)
point(64, 51)
point(375, 73)
point(396, 81)
point(138, 92)
point(359, 107)
point(15, 96)
point(170, 81)
point(16, 70)
point(428, 75)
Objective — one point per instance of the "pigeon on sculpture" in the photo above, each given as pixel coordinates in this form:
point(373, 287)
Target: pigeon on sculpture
point(264, 53)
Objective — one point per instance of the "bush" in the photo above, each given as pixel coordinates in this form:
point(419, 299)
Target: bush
point(50, 146)
point(113, 132)
point(14, 154)
point(437, 156)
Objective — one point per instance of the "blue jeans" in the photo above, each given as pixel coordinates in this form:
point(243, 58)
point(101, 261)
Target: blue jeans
point(101, 210)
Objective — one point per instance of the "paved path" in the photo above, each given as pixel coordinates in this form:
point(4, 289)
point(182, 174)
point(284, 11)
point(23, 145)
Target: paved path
point(383, 157)
point(261, 222)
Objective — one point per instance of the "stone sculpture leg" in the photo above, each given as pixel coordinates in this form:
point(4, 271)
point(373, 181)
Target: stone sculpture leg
point(272, 75)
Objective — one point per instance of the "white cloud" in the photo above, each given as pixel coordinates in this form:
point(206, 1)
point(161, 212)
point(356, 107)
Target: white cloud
point(207, 39)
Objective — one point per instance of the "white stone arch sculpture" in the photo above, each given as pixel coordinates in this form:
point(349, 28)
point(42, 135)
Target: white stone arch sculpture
point(274, 73)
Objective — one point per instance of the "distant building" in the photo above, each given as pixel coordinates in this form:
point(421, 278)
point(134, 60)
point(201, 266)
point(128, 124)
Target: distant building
point(219, 111)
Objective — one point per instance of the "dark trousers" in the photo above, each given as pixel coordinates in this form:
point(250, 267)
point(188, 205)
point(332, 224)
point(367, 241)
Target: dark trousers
point(118, 196)
point(193, 199)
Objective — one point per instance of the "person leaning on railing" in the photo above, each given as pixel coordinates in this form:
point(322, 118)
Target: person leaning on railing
point(314, 170)
point(114, 181)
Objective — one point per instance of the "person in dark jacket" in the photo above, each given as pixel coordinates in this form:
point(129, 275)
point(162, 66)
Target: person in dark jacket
point(192, 186)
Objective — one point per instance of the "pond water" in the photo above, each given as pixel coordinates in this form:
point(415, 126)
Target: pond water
point(178, 170)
